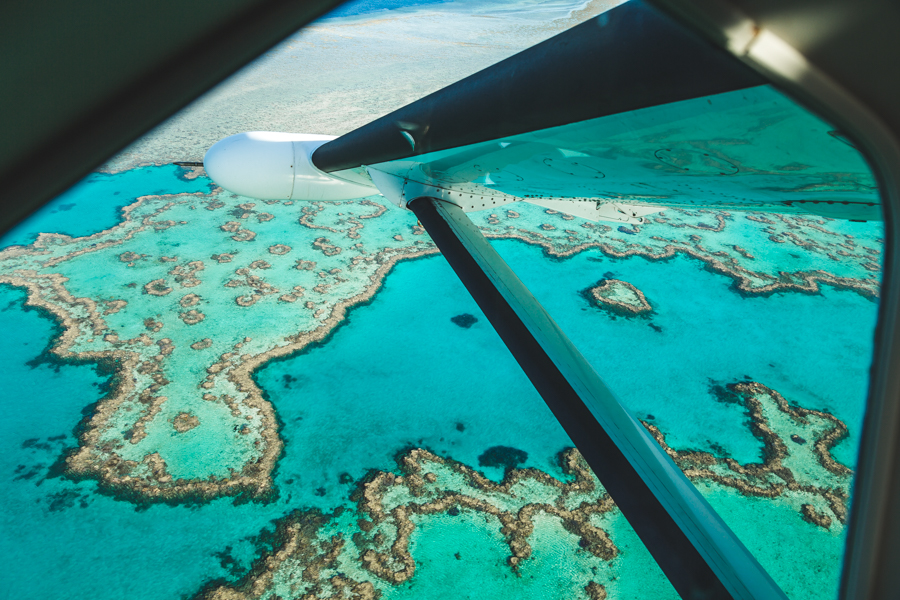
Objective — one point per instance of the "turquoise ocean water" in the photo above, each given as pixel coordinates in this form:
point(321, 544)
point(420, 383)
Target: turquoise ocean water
point(399, 373)
point(95, 203)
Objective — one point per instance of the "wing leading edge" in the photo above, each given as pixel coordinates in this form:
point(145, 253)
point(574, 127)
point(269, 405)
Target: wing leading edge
point(619, 117)
point(751, 149)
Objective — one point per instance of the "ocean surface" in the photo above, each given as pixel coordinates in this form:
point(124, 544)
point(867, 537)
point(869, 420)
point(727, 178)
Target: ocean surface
point(405, 371)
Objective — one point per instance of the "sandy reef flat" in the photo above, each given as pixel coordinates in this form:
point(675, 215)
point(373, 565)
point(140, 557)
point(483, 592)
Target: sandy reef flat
point(338, 74)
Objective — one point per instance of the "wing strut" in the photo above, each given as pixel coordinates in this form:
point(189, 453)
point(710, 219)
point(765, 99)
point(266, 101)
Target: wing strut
point(696, 550)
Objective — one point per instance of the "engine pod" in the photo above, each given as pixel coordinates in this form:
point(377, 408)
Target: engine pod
point(276, 166)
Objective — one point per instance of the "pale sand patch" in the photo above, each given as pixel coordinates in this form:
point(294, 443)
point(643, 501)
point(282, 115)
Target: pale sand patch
point(340, 74)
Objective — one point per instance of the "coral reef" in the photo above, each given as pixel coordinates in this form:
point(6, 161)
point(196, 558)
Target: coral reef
point(153, 380)
point(314, 553)
point(619, 297)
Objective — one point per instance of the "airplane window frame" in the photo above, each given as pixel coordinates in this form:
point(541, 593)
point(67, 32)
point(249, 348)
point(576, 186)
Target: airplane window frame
point(874, 534)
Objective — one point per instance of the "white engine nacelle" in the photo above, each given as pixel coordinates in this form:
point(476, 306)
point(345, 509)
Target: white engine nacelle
point(276, 166)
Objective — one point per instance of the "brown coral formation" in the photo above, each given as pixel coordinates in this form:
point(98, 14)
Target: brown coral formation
point(184, 421)
point(719, 226)
point(157, 287)
point(279, 249)
point(186, 275)
point(769, 478)
point(815, 517)
point(379, 209)
point(166, 346)
point(244, 235)
point(191, 317)
point(189, 300)
point(595, 591)
point(307, 219)
point(516, 526)
point(297, 539)
point(745, 281)
point(326, 247)
point(619, 297)
point(126, 230)
point(127, 257)
point(162, 225)
point(256, 283)
point(392, 504)
point(302, 554)
point(100, 460)
point(137, 379)
point(240, 234)
point(202, 344)
point(296, 293)
point(114, 306)
point(247, 300)
point(191, 173)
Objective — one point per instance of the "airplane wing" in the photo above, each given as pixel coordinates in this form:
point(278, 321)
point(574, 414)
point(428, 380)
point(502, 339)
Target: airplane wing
point(619, 117)
point(751, 149)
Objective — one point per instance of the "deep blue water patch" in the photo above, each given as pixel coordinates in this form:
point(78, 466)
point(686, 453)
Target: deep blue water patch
point(465, 320)
point(504, 457)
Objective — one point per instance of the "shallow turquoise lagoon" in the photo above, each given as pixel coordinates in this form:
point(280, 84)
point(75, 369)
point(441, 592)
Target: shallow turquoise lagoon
point(400, 373)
